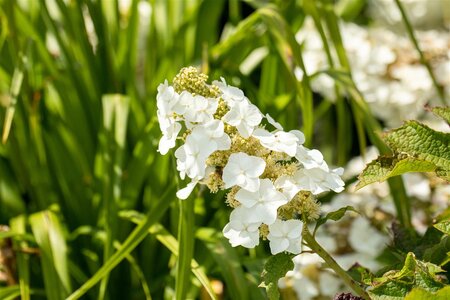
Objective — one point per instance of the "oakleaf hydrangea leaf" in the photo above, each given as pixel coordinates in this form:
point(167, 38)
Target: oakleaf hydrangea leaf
point(422, 142)
point(385, 167)
point(421, 294)
point(417, 148)
point(443, 226)
point(443, 112)
point(415, 273)
point(276, 267)
point(391, 290)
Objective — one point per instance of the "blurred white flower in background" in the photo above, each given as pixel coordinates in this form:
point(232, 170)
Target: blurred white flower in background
point(385, 67)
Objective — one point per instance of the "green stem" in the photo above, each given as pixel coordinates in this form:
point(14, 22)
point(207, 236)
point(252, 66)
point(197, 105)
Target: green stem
point(312, 243)
point(423, 60)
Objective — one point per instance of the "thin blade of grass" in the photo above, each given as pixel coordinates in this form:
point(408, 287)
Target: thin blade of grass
point(48, 232)
point(228, 261)
point(171, 243)
point(132, 241)
point(186, 226)
point(18, 226)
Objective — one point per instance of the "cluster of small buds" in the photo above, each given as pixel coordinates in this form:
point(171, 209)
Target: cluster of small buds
point(272, 178)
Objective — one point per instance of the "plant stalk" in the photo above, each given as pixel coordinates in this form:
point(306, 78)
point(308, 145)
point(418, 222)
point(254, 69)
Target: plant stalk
point(312, 243)
point(423, 60)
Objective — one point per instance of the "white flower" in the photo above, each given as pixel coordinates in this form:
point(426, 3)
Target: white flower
point(191, 157)
point(305, 288)
point(262, 205)
point(169, 137)
point(359, 231)
point(213, 132)
point(280, 141)
point(329, 284)
point(198, 108)
point(230, 93)
point(317, 180)
point(184, 193)
point(288, 185)
point(273, 122)
point(285, 236)
point(243, 170)
point(240, 232)
point(168, 101)
point(244, 116)
point(309, 158)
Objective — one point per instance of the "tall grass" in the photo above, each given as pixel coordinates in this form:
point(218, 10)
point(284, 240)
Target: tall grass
point(90, 204)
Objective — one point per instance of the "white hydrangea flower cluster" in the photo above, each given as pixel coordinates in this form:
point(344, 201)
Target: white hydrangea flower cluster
point(272, 178)
point(385, 67)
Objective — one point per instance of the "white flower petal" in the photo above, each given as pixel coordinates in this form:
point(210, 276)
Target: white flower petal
point(184, 193)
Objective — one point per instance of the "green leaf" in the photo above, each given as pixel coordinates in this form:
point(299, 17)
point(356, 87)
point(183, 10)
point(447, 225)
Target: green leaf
point(415, 273)
point(227, 260)
point(171, 243)
point(391, 290)
point(334, 215)
point(443, 226)
point(385, 167)
point(438, 253)
point(350, 9)
point(443, 112)
point(421, 294)
point(9, 292)
point(48, 232)
point(275, 267)
point(422, 142)
point(132, 241)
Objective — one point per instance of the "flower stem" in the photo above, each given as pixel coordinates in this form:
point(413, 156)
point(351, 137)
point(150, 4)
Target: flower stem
point(353, 284)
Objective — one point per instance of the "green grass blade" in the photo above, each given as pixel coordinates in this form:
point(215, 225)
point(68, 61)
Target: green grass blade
point(48, 232)
point(18, 226)
point(132, 241)
point(171, 243)
point(115, 116)
point(227, 260)
point(137, 269)
point(186, 231)
point(10, 292)
point(16, 84)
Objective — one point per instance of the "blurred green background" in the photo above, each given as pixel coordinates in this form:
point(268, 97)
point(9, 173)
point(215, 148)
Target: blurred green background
point(78, 162)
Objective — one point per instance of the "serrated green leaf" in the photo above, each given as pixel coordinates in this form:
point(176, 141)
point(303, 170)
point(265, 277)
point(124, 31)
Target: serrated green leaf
point(275, 267)
point(443, 112)
point(438, 253)
point(422, 142)
point(391, 290)
point(415, 273)
point(385, 167)
point(444, 174)
point(420, 294)
point(334, 215)
point(426, 281)
point(443, 226)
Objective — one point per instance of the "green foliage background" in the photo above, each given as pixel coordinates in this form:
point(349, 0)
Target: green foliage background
point(88, 200)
